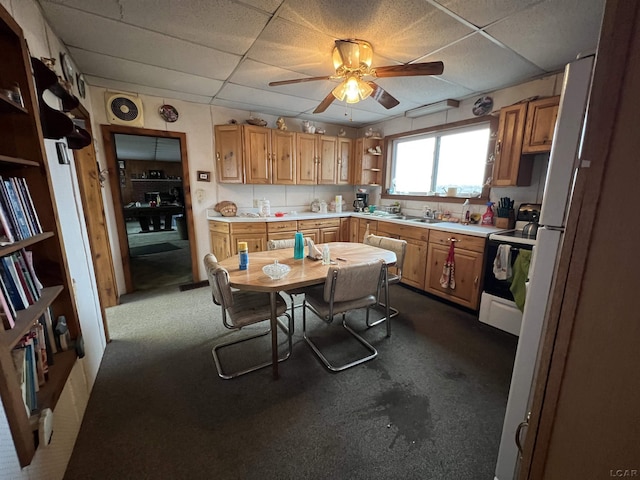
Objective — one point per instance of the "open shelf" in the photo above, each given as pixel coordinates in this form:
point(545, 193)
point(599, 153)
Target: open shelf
point(18, 161)
point(9, 106)
point(15, 246)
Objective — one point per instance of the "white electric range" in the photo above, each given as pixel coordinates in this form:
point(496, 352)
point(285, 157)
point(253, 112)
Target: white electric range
point(497, 306)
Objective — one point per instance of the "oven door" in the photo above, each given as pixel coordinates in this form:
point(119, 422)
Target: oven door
point(497, 307)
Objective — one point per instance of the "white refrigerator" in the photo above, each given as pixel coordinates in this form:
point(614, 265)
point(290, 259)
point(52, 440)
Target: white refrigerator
point(563, 165)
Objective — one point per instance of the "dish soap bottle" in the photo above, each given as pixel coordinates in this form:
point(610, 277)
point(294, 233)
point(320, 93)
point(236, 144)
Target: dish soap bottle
point(487, 217)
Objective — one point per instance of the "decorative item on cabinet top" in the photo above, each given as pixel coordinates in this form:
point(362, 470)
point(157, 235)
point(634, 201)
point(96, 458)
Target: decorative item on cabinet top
point(257, 121)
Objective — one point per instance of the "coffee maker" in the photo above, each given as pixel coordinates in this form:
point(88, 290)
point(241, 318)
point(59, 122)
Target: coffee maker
point(361, 202)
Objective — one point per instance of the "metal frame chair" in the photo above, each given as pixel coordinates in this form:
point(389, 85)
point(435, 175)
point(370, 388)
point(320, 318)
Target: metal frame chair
point(241, 308)
point(289, 243)
point(399, 247)
point(347, 287)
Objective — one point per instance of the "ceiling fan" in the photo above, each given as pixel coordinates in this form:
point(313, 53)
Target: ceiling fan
point(352, 62)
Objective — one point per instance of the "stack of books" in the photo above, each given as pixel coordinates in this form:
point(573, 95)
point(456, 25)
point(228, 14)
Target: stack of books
point(19, 285)
point(18, 217)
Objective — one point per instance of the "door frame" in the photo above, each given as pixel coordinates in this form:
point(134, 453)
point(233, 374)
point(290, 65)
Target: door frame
point(110, 154)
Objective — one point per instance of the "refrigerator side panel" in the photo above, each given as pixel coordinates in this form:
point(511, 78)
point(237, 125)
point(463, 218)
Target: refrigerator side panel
point(542, 272)
point(566, 141)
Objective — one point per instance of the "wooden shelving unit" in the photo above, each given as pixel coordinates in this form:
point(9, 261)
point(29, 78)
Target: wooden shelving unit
point(369, 161)
point(22, 154)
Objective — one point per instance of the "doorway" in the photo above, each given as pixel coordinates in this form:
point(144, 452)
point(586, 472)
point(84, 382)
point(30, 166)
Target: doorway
point(150, 191)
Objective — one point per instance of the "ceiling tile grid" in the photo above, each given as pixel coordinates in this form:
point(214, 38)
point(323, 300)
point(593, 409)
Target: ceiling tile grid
point(225, 52)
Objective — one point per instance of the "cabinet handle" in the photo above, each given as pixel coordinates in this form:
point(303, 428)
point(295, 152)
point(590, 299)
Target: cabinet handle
point(218, 156)
point(498, 147)
point(475, 280)
point(453, 240)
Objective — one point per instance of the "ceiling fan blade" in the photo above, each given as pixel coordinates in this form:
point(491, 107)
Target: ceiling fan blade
point(381, 96)
point(324, 104)
point(410, 70)
point(298, 80)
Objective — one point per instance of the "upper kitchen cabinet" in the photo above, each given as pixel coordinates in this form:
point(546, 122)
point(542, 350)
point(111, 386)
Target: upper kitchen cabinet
point(317, 159)
point(229, 155)
point(541, 121)
point(510, 168)
point(345, 160)
point(524, 128)
point(368, 161)
point(255, 155)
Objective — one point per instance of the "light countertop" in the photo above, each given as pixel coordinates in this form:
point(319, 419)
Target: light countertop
point(474, 230)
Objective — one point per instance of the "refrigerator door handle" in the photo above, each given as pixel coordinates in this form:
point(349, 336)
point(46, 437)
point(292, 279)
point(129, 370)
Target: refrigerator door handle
point(522, 426)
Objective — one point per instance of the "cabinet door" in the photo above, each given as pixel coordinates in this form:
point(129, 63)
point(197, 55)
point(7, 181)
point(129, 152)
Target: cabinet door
point(541, 121)
point(283, 156)
point(331, 234)
point(508, 154)
point(307, 162)
point(312, 233)
point(327, 153)
point(256, 242)
point(220, 245)
point(229, 158)
point(468, 268)
point(415, 262)
point(363, 226)
point(353, 230)
point(345, 155)
point(356, 169)
point(257, 151)
point(344, 230)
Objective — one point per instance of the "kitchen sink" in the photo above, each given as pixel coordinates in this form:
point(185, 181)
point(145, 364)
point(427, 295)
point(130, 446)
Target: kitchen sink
point(425, 220)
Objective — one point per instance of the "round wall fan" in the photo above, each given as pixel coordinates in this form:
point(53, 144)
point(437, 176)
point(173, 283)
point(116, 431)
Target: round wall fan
point(352, 62)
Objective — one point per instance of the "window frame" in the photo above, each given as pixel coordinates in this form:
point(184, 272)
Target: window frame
point(484, 196)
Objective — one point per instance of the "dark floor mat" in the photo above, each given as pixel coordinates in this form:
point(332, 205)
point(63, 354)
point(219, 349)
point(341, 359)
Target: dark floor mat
point(152, 248)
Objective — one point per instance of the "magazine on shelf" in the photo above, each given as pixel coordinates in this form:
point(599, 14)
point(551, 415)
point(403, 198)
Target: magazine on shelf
point(14, 295)
point(23, 188)
point(20, 215)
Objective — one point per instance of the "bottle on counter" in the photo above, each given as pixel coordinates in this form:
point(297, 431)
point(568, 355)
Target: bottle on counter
point(243, 253)
point(487, 217)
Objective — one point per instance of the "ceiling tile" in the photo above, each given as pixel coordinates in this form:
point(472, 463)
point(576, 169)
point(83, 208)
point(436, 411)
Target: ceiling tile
point(104, 8)
point(253, 109)
point(478, 64)
point(483, 12)
point(136, 88)
point(131, 72)
point(295, 48)
point(402, 30)
point(222, 24)
point(101, 35)
point(420, 91)
point(254, 96)
point(570, 27)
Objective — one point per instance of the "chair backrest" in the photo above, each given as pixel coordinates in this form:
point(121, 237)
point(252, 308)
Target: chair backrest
point(399, 247)
point(288, 243)
point(352, 281)
point(218, 281)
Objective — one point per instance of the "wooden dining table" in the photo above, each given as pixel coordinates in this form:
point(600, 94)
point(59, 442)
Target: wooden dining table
point(304, 272)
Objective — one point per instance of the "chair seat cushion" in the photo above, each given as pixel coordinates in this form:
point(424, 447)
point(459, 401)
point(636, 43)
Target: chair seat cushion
point(315, 299)
point(252, 307)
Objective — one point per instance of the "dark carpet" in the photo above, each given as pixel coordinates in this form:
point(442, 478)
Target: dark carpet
point(431, 406)
point(152, 248)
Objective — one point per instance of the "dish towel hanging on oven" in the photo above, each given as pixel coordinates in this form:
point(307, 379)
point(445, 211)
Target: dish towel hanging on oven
point(502, 263)
point(447, 279)
point(520, 275)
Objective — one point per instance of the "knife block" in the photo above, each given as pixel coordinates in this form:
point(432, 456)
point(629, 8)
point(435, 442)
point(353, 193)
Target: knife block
point(506, 222)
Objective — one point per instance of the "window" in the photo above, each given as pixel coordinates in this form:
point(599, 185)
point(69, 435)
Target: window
point(430, 163)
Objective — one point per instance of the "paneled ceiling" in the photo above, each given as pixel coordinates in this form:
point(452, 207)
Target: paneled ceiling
point(225, 52)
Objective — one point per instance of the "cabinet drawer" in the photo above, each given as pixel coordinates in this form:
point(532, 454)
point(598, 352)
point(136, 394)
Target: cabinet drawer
point(319, 223)
point(466, 242)
point(218, 227)
point(249, 227)
point(291, 226)
point(404, 231)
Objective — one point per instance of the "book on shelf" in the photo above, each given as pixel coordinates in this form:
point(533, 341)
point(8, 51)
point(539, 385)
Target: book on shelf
point(7, 236)
point(16, 206)
point(25, 195)
point(20, 363)
point(23, 269)
point(9, 211)
point(48, 319)
point(28, 256)
point(14, 295)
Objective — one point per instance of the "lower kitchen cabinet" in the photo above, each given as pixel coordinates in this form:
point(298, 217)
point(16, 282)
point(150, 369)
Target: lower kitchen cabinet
point(219, 239)
point(322, 230)
point(224, 237)
point(469, 259)
point(415, 258)
point(345, 235)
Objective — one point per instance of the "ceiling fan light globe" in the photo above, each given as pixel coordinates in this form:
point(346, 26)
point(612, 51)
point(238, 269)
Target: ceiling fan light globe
point(340, 91)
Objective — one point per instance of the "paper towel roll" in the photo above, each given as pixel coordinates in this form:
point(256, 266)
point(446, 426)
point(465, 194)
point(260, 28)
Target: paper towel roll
point(338, 203)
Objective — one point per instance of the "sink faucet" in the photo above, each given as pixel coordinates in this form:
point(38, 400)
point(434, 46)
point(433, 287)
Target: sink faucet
point(427, 213)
